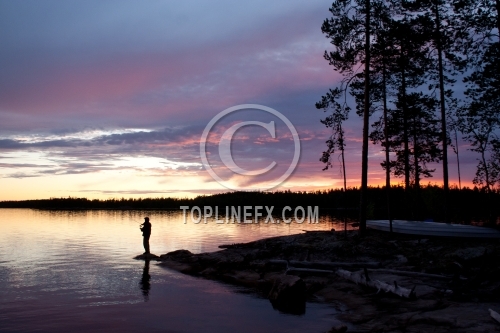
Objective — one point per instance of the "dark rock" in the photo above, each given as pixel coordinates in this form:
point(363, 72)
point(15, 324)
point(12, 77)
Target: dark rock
point(401, 259)
point(288, 294)
point(245, 278)
point(148, 256)
point(225, 258)
point(338, 329)
point(178, 254)
point(186, 268)
point(469, 253)
point(209, 272)
point(287, 287)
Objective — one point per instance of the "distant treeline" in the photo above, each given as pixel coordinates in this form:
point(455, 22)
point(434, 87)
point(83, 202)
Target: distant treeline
point(427, 204)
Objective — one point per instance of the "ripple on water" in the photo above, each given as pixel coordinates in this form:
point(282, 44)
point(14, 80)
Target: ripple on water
point(73, 271)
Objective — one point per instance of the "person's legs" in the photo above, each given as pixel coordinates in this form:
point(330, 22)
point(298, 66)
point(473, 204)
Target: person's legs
point(146, 243)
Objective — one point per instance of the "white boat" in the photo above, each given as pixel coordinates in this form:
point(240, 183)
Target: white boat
point(433, 229)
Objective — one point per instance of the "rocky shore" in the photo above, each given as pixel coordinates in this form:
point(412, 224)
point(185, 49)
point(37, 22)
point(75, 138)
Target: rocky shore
point(378, 283)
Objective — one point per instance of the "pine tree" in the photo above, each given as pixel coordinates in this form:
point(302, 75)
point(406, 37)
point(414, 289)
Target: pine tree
point(336, 142)
point(479, 117)
point(349, 32)
point(448, 59)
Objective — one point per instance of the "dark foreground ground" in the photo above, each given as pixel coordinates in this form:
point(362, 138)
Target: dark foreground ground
point(434, 284)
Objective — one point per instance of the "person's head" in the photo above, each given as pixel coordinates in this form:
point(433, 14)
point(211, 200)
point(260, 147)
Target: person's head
point(146, 219)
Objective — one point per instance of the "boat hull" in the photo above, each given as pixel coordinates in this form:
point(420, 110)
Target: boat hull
point(433, 229)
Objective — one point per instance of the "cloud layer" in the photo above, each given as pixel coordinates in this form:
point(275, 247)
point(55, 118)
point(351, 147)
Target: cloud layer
point(107, 98)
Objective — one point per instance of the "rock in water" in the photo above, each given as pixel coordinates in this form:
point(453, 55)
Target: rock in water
point(178, 254)
point(288, 294)
point(149, 256)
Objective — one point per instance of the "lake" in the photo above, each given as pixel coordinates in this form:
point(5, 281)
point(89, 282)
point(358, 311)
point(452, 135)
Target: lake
point(72, 271)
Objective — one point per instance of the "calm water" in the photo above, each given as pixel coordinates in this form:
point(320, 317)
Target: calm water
point(72, 271)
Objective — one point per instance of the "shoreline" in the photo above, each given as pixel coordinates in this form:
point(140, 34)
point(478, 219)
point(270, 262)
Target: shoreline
point(455, 281)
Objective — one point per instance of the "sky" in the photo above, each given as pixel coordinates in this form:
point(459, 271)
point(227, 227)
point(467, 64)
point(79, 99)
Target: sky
point(109, 99)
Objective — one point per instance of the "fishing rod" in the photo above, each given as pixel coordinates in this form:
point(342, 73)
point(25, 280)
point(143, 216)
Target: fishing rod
point(137, 222)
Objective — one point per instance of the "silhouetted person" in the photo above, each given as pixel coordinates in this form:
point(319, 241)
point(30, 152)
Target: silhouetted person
point(145, 285)
point(146, 233)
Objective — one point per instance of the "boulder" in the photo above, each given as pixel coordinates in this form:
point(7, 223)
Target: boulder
point(223, 258)
point(148, 256)
point(341, 328)
point(178, 254)
point(401, 259)
point(288, 289)
point(469, 253)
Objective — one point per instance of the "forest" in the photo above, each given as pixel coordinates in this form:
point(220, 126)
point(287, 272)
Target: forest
point(466, 205)
point(421, 74)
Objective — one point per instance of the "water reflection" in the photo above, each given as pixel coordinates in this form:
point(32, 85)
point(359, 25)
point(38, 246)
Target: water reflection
point(67, 257)
point(144, 284)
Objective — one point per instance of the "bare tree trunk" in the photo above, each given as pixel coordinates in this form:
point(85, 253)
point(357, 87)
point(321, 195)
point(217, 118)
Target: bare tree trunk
point(405, 125)
point(416, 189)
point(345, 177)
point(366, 116)
point(387, 157)
point(458, 161)
point(364, 279)
point(415, 153)
point(486, 173)
point(405, 136)
point(443, 112)
point(487, 177)
point(342, 154)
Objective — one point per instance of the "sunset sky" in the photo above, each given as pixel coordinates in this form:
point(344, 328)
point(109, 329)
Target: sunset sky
point(106, 99)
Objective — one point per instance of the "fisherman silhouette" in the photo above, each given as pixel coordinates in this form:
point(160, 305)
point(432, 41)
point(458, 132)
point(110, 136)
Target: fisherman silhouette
point(145, 285)
point(146, 233)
